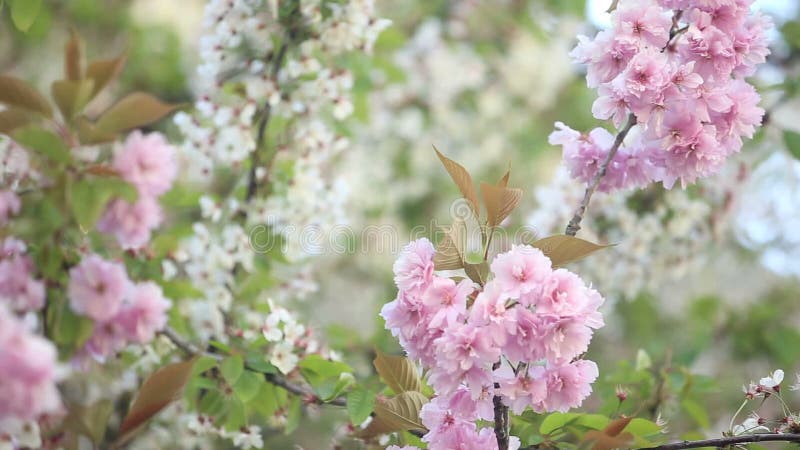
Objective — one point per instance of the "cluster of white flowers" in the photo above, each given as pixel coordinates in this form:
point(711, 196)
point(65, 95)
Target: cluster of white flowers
point(659, 241)
point(272, 62)
point(470, 117)
point(14, 164)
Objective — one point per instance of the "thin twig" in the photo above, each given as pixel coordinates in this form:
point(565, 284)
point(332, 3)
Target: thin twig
point(272, 378)
point(575, 223)
point(728, 441)
point(252, 183)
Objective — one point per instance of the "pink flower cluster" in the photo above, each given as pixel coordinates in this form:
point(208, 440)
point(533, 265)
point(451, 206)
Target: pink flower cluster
point(19, 291)
point(28, 371)
point(9, 206)
point(147, 162)
point(123, 311)
point(678, 66)
point(523, 331)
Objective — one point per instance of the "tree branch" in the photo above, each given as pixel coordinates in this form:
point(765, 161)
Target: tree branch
point(500, 417)
point(575, 223)
point(272, 378)
point(252, 183)
point(728, 441)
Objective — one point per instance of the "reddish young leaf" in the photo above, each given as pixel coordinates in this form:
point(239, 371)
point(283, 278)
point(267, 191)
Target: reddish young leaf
point(73, 57)
point(15, 92)
point(133, 111)
point(157, 391)
point(462, 179)
point(104, 71)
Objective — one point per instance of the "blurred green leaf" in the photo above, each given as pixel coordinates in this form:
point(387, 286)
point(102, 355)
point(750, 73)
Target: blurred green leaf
point(360, 402)
point(45, 143)
point(232, 368)
point(89, 196)
point(791, 33)
point(248, 385)
point(792, 141)
point(556, 420)
point(23, 12)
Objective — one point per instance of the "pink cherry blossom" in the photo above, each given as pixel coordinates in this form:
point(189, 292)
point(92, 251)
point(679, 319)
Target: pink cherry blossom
point(521, 270)
point(446, 301)
point(687, 71)
point(413, 270)
point(9, 206)
point(568, 385)
point(28, 372)
point(19, 291)
point(148, 162)
point(97, 288)
point(145, 312)
point(131, 223)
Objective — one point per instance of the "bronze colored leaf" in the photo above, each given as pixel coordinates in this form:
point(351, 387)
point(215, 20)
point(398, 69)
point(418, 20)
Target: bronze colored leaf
point(13, 118)
point(563, 249)
point(89, 420)
point(71, 96)
point(400, 413)
point(611, 436)
point(15, 92)
point(499, 201)
point(462, 179)
point(73, 57)
point(103, 170)
point(450, 252)
point(89, 134)
point(398, 372)
point(613, 6)
point(504, 181)
point(477, 272)
point(157, 391)
point(104, 71)
point(133, 111)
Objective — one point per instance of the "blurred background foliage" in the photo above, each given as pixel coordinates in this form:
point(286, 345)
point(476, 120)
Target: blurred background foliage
point(484, 81)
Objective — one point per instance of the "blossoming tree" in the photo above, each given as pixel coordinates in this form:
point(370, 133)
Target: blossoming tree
point(152, 282)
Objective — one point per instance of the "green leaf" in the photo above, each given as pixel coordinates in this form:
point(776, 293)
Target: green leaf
point(398, 372)
point(232, 368)
point(328, 378)
point(88, 198)
point(202, 364)
point(791, 33)
point(70, 331)
point(294, 414)
point(133, 111)
point(563, 249)
point(248, 385)
point(792, 141)
point(255, 361)
point(44, 142)
point(360, 402)
point(555, 421)
point(697, 412)
point(235, 416)
point(24, 12)
point(15, 92)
